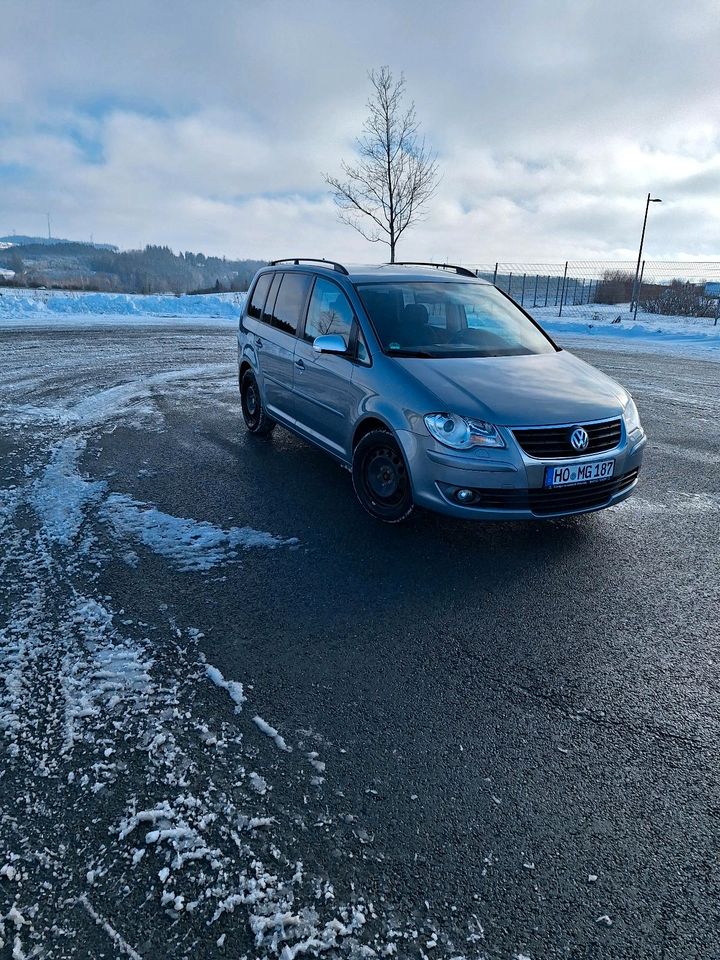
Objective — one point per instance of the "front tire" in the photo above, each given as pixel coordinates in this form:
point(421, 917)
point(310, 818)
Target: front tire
point(254, 414)
point(381, 479)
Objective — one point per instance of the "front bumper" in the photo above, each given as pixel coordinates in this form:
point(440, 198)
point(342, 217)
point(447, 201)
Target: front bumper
point(508, 484)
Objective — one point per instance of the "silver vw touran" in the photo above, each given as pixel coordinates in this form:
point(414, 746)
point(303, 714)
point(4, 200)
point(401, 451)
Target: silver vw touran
point(435, 389)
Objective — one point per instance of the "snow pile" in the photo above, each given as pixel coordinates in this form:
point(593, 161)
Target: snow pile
point(60, 308)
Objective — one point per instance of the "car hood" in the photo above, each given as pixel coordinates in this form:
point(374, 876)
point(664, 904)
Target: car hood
point(519, 391)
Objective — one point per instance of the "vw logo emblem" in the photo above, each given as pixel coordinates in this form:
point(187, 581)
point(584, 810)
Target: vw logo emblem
point(579, 439)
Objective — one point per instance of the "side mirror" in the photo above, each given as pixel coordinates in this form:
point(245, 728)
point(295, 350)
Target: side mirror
point(330, 343)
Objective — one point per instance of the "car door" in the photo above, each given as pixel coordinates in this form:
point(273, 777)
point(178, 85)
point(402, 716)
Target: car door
point(275, 341)
point(326, 399)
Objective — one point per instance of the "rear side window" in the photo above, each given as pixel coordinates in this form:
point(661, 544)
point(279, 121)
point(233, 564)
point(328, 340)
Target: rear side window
point(267, 312)
point(290, 302)
point(259, 294)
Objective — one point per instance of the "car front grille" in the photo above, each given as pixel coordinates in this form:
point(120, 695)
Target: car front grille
point(543, 502)
point(553, 443)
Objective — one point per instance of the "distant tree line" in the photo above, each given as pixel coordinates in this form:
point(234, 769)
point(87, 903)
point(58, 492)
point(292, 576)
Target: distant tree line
point(156, 269)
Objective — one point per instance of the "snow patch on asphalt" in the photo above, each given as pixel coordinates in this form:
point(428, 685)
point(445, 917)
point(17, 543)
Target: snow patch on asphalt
point(233, 687)
point(60, 495)
point(192, 545)
point(122, 944)
point(131, 399)
point(131, 403)
point(271, 732)
point(105, 725)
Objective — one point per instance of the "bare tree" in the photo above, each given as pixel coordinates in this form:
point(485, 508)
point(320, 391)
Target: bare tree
point(395, 174)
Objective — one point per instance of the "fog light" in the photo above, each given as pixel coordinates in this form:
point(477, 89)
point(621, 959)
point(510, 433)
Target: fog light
point(464, 496)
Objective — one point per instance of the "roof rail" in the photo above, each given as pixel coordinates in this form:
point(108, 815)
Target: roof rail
point(338, 267)
point(463, 271)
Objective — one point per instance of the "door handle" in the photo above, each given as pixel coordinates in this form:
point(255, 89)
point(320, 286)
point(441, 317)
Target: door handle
point(258, 343)
point(299, 364)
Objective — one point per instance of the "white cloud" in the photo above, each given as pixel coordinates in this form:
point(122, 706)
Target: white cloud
point(210, 127)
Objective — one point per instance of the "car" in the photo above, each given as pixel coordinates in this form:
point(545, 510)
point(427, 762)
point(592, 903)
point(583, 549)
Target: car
point(435, 389)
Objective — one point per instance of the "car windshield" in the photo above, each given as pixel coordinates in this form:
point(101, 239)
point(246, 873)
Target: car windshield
point(446, 319)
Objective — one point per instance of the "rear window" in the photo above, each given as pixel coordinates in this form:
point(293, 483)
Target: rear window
point(267, 312)
point(290, 302)
point(257, 301)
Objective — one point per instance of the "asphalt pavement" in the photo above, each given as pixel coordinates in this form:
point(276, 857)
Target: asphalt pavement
point(519, 721)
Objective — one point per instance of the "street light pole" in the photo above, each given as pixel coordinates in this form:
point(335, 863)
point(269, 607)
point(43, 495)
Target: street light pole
point(635, 291)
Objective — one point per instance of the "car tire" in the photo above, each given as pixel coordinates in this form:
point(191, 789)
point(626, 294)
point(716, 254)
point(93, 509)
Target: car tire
point(381, 479)
point(254, 414)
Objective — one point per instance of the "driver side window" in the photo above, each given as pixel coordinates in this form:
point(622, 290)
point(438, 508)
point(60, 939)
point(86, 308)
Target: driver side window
point(329, 311)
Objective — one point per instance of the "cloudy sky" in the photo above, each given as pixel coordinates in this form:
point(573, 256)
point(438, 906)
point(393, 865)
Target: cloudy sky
point(208, 126)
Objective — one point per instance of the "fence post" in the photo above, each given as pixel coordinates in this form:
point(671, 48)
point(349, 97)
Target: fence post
point(563, 288)
point(509, 286)
point(495, 276)
point(535, 294)
point(522, 294)
point(547, 288)
point(582, 292)
point(717, 311)
point(639, 288)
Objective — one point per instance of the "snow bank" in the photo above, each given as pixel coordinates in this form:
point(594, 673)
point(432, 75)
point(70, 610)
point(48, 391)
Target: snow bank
point(63, 308)
point(697, 336)
point(691, 336)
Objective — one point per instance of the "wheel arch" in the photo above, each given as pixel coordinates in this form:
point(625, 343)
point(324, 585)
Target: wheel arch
point(245, 365)
point(367, 425)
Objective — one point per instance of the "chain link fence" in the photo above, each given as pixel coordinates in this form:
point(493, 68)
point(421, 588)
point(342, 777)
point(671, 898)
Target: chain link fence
point(596, 289)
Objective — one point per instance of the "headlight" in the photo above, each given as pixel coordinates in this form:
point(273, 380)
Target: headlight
point(462, 434)
point(632, 417)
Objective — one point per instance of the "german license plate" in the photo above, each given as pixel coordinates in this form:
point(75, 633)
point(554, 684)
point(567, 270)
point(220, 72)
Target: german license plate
point(568, 474)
